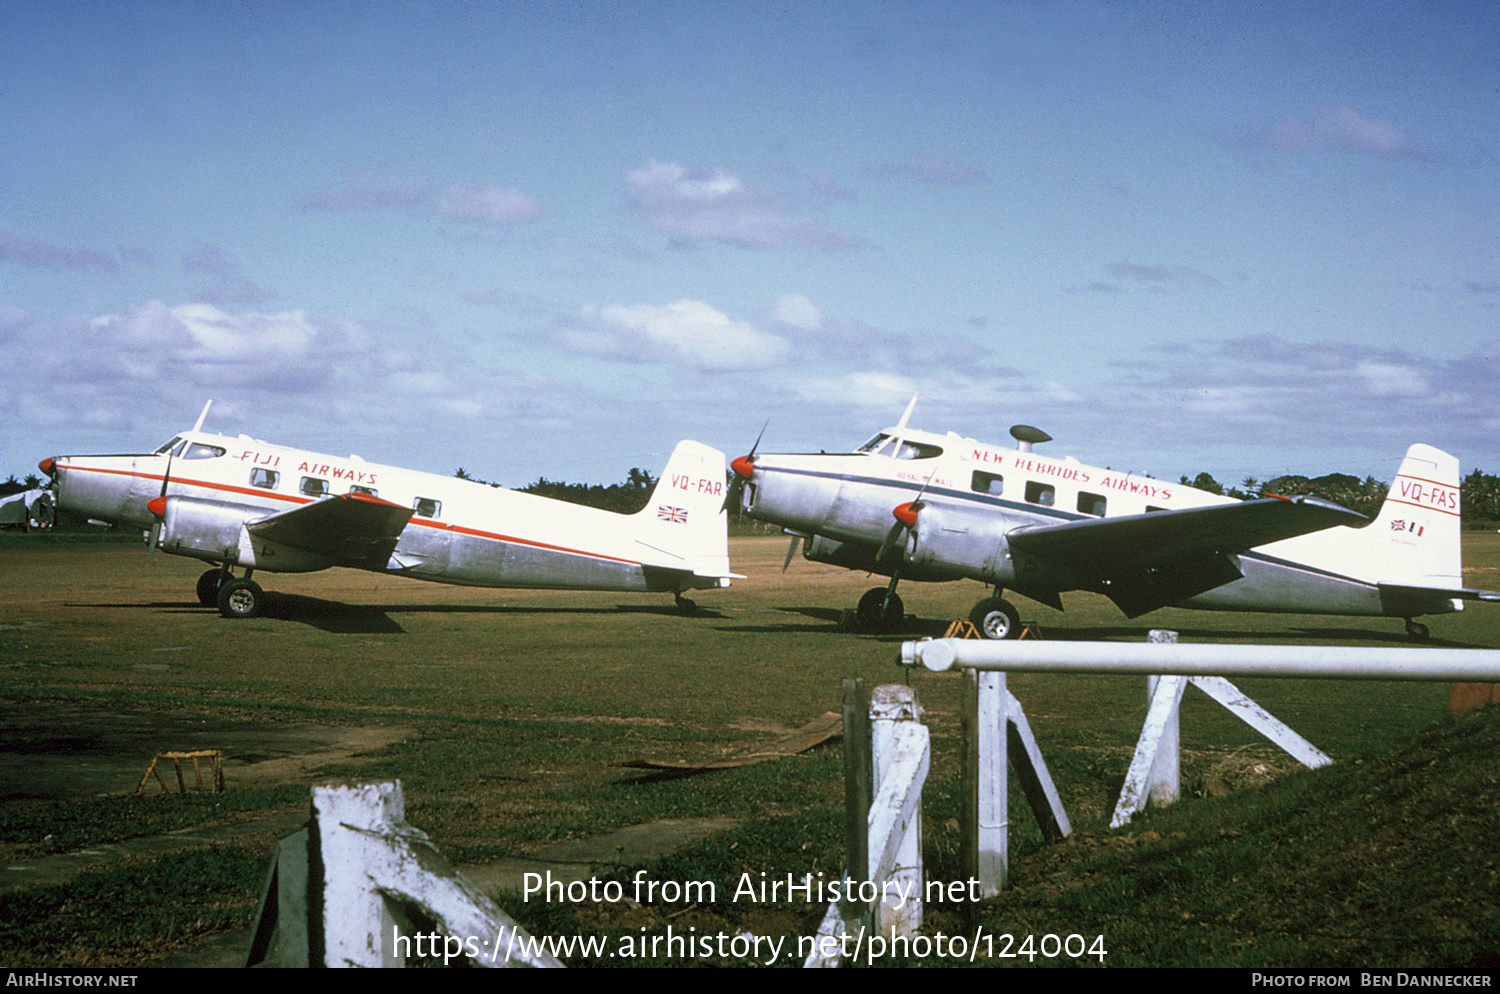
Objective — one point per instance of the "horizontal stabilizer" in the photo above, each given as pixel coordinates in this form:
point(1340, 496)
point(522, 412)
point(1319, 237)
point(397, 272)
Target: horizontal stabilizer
point(1402, 600)
point(353, 530)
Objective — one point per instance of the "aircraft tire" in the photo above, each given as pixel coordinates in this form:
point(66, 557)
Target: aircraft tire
point(686, 606)
point(996, 618)
point(208, 587)
point(870, 615)
point(241, 599)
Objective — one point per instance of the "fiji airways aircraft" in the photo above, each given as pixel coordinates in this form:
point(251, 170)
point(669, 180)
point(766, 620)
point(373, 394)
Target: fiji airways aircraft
point(916, 505)
point(242, 503)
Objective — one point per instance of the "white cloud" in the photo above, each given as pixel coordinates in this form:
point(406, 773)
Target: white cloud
point(799, 312)
point(717, 207)
point(940, 392)
point(483, 204)
point(1341, 128)
point(685, 332)
point(36, 254)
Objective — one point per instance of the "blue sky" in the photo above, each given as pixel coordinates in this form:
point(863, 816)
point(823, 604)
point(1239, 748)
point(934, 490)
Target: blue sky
point(553, 238)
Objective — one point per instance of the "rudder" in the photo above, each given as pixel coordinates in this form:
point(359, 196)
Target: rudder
point(1418, 533)
point(684, 523)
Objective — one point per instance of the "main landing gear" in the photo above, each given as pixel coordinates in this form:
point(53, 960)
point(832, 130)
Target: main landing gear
point(1416, 629)
point(881, 610)
point(996, 618)
point(685, 605)
point(242, 598)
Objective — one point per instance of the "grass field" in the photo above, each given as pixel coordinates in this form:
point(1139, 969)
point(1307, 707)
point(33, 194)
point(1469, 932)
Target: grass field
point(505, 712)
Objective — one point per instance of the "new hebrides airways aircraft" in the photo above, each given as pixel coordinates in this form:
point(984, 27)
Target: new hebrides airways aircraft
point(915, 505)
point(241, 503)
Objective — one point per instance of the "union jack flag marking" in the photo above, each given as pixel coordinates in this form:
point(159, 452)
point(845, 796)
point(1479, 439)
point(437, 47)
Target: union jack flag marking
point(676, 515)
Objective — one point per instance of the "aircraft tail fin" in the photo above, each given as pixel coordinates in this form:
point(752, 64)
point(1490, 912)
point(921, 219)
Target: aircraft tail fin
point(684, 525)
point(1417, 533)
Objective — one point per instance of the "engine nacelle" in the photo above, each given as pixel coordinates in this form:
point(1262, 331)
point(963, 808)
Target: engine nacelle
point(955, 543)
point(822, 549)
point(214, 531)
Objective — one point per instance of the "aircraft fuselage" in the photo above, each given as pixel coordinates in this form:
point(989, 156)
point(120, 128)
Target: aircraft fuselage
point(218, 487)
point(1007, 516)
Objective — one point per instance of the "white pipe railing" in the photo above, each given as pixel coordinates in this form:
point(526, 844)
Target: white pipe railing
point(1322, 662)
point(1154, 769)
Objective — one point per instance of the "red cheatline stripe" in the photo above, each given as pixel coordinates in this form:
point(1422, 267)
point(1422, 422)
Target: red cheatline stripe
point(495, 536)
point(1425, 507)
point(1422, 479)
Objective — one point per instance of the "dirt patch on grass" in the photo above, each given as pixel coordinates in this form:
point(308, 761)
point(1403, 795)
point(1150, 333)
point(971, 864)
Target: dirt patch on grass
point(56, 750)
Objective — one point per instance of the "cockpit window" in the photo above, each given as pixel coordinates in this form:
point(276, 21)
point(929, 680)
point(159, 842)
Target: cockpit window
point(174, 443)
point(198, 450)
point(884, 445)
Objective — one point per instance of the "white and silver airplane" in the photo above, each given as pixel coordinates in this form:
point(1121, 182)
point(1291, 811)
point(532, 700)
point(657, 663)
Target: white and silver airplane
point(241, 503)
point(915, 505)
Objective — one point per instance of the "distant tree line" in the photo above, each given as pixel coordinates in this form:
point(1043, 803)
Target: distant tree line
point(626, 497)
point(1479, 502)
point(15, 486)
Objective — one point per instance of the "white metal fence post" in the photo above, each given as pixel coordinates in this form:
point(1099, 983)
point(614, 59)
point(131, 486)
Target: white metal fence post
point(986, 838)
point(357, 924)
point(1164, 784)
point(899, 909)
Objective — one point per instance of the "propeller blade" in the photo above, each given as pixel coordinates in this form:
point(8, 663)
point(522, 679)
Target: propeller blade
point(198, 425)
point(906, 517)
point(158, 507)
point(742, 468)
point(897, 435)
point(906, 414)
point(891, 538)
point(791, 550)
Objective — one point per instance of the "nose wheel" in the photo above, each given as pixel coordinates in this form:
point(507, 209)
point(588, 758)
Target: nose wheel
point(880, 610)
point(208, 586)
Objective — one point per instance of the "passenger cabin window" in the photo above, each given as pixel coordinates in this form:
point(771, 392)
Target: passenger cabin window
point(198, 450)
point(987, 483)
point(314, 487)
point(426, 507)
point(267, 478)
point(1092, 504)
point(1044, 494)
point(367, 491)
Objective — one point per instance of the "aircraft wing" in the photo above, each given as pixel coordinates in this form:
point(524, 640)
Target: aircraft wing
point(1146, 561)
point(353, 530)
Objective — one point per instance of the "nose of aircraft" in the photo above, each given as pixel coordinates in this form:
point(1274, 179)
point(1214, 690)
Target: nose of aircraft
point(47, 465)
point(743, 466)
